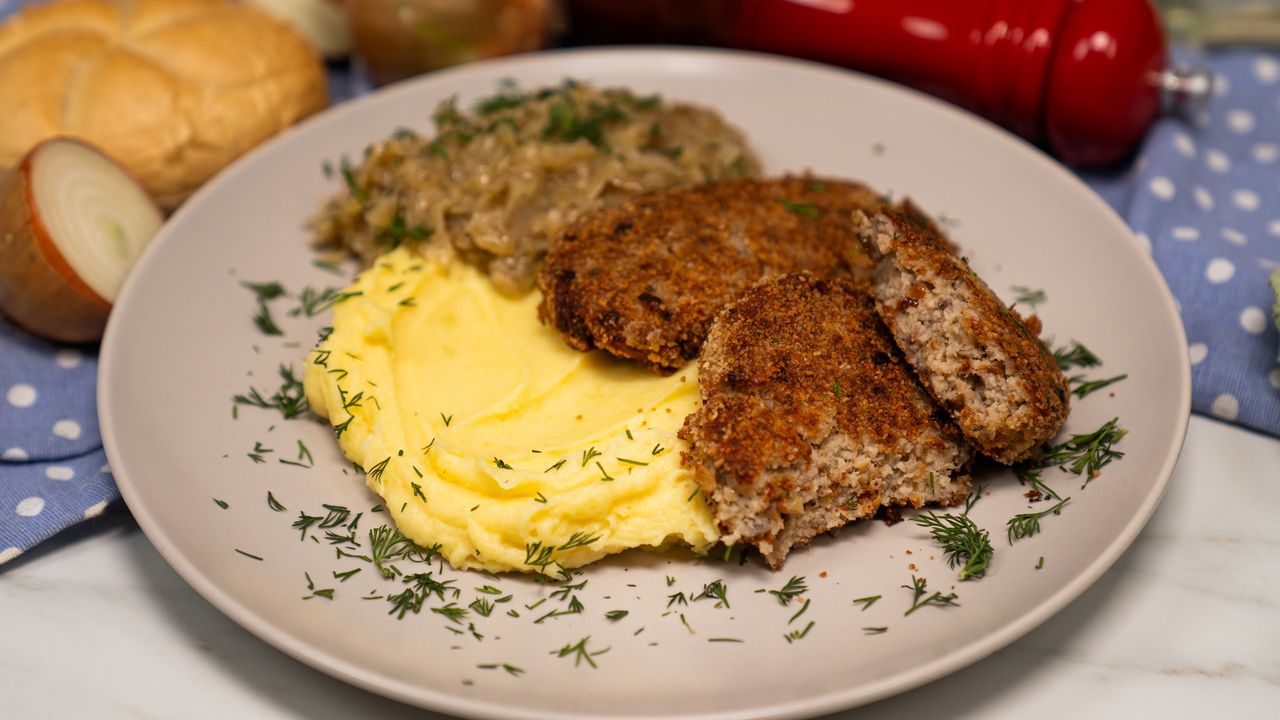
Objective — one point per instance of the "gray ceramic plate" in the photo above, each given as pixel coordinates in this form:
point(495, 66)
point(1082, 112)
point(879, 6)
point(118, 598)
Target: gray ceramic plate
point(181, 344)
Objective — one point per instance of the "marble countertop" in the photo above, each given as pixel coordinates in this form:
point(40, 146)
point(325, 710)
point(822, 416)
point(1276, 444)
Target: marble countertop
point(1186, 624)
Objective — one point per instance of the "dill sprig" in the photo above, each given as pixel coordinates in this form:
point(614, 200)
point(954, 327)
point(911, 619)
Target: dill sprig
point(616, 615)
point(866, 602)
point(265, 292)
point(386, 544)
point(579, 652)
point(577, 540)
point(963, 542)
point(799, 634)
point(1028, 296)
point(806, 210)
point(289, 399)
point(1086, 454)
point(921, 599)
point(1027, 524)
point(1075, 355)
point(274, 504)
point(1083, 387)
point(793, 589)
point(715, 589)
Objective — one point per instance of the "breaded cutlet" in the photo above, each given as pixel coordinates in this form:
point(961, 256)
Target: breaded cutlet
point(811, 419)
point(979, 359)
point(644, 280)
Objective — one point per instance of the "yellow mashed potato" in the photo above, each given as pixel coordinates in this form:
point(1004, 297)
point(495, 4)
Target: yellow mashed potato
point(483, 432)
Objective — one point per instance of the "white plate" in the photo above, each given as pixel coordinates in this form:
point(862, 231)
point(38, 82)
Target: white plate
point(181, 343)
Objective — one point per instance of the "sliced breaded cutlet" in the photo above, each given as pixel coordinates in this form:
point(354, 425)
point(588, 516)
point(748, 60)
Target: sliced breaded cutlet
point(644, 280)
point(979, 359)
point(811, 419)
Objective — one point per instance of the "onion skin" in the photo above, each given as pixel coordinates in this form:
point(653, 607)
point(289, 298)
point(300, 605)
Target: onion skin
point(38, 289)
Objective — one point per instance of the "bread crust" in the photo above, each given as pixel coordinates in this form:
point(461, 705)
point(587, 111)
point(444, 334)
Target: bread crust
point(811, 419)
point(978, 357)
point(173, 89)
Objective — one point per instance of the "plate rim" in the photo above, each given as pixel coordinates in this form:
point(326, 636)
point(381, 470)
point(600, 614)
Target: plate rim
point(419, 696)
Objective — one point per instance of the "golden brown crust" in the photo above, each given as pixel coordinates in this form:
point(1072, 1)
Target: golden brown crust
point(644, 280)
point(797, 362)
point(955, 331)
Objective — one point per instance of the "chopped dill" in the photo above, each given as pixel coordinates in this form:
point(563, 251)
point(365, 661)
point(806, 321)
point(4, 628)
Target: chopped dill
point(921, 599)
point(963, 542)
point(793, 589)
point(579, 652)
point(1027, 524)
point(866, 602)
point(274, 504)
point(806, 210)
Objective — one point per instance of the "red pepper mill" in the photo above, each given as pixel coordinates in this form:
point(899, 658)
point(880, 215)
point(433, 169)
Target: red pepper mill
point(1085, 77)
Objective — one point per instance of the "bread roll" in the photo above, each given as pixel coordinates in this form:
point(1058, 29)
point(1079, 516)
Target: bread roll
point(174, 89)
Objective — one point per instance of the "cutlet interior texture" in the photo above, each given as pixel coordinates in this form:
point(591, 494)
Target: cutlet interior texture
point(811, 419)
point(976, 356)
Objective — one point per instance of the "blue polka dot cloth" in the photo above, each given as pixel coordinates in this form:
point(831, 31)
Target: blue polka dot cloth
point(1205, 196)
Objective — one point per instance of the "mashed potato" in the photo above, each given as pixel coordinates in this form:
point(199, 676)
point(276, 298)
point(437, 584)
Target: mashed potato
point(485, 433)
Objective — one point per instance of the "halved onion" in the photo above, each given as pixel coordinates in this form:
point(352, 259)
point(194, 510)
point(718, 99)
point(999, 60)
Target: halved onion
point(72, 224)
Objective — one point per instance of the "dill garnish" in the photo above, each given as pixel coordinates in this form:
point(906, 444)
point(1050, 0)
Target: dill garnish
point(793, 589)
point(866, 602)
point(273, 503)
point(800, 612)
point(556, 466)
point(1027, 524)
point(221, 503)
point(1086, 454)
point(963, 542)
point(808, 211)
point(875, 630)
point(265, 292)
point(799, 634)
point(579, 652)
point(248, 555)
point(919, 599)
point(604, 474)
point(616, 615)
point(289, 399)
point(577, 540)
point(1085, 387)
point(375, 472)
point(1075, 355)
point(1028, 296)
point(588, 454)
point(715, 589)
point(631, 462)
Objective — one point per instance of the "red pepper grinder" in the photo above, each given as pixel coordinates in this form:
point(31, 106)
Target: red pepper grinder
point(1085, 77)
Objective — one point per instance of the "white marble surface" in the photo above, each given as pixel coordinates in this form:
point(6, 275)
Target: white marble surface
point(1185, 625)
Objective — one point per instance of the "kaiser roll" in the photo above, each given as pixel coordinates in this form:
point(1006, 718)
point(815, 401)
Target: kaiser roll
point(173, 89)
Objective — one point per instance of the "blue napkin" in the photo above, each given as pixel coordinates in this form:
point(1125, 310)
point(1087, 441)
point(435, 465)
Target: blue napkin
point(1205, 196)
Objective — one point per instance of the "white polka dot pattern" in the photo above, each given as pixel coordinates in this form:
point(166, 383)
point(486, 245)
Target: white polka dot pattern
point(1208, 197)
point(1226, 406)
point(21, 395)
